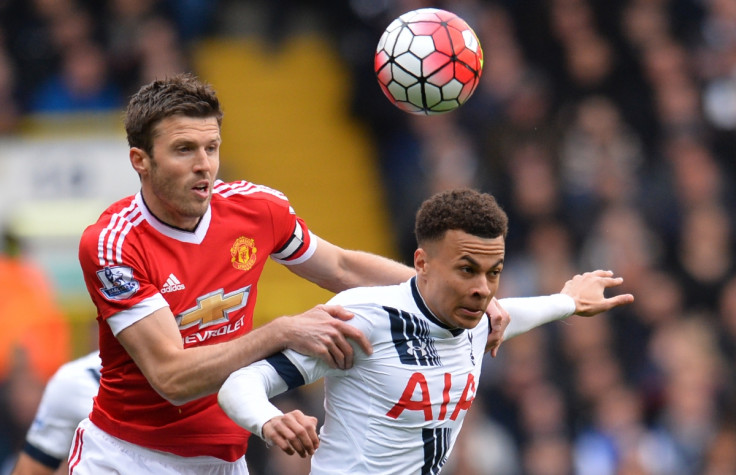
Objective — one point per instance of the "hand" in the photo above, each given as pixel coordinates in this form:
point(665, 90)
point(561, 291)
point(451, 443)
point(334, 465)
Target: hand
point(587, 292)
point(321, 332)
point(499, 319)
point(294, 432)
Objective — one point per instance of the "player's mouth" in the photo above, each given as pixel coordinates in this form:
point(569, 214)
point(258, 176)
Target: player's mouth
point(472, 312)
point(202, 189)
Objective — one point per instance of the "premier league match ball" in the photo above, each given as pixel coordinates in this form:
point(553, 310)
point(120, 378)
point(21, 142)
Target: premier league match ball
point(428, 61)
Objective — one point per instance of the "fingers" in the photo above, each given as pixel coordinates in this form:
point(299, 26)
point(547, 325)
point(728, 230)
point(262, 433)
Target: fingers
point(336, 311)
point(601, 273)
point(358, 337)
point(331, 346)
point(499, 320)
point(622, 299)
point(338, 352)
point(348, 331)
point(293, 433)
point(612, 281)
point(322, 332)
point(588, 292)
point(339, 348)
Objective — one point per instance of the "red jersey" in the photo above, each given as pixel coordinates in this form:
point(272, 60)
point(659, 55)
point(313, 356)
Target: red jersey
point(134, 264)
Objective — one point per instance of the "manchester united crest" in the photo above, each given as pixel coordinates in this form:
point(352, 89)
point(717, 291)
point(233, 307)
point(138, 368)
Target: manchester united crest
point(243, 253)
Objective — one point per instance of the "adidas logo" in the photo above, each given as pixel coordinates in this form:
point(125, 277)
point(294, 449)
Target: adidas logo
point(172, 285)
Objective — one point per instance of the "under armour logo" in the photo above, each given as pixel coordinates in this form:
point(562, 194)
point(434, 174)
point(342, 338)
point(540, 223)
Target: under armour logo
point(416, 350)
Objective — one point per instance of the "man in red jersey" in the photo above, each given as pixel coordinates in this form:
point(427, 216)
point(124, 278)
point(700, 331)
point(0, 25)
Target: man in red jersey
point(173, 272)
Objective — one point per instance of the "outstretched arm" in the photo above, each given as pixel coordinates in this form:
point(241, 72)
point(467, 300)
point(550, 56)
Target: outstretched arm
point(582, 295)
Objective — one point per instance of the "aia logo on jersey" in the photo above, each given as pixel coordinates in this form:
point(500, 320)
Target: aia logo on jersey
point(243, 253)
point(418, 386)
point(118, 282)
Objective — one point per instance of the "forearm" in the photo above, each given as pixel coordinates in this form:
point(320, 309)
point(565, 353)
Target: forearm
point(245, 396)
point(365, 269)
point(181, 375)
point(530, 312)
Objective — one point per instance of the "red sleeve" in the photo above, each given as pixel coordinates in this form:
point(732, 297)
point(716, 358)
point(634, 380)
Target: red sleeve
point(114, 285)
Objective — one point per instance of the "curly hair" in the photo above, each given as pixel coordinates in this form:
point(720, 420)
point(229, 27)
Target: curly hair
point(182, 94)
point(464, 209)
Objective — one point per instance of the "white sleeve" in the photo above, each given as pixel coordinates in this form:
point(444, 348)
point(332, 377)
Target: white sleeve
point(530, 312)
point(245, 394)
point(67, 399)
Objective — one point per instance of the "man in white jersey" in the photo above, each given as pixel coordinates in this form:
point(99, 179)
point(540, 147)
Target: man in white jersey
point(67, 399)
point(399, 410)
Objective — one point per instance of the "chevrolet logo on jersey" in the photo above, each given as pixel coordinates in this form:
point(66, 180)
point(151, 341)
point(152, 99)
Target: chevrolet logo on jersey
point(213, 308)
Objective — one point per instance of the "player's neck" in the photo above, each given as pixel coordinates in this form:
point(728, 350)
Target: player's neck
point(158, 218)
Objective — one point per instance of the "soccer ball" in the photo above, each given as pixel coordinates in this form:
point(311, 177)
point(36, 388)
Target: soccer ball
point(428, 61)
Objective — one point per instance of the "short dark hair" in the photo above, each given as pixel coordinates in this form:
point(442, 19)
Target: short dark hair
point(182, 94)
point(463, 209)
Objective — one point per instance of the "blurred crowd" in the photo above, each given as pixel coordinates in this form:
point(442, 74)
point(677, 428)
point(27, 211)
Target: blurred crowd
point(605, 129)
point(89, 56)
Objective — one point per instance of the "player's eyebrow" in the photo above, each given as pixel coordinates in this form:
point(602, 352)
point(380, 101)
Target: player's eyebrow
point(477, 264)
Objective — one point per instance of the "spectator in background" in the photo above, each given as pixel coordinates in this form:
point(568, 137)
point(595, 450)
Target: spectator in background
point(685, 353)
point(9, 113)
point(143, 42)
point(618, 438)
point(82, 85)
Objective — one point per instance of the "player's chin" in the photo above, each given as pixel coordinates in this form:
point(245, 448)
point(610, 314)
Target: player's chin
point(467, 319)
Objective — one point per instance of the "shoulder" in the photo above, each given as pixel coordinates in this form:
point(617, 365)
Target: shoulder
point(114, 227)
point(368, 303)
point(83, 371)
point(119, 215)
point(376, 295)
point(71, 389)
point(246, 191)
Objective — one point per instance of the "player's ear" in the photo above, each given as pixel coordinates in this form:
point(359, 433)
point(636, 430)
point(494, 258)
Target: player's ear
point(420, 260)
point(140, 160)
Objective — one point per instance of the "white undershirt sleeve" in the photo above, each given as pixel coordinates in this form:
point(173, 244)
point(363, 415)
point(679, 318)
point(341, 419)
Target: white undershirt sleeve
point(530, 312)
point(244, 396)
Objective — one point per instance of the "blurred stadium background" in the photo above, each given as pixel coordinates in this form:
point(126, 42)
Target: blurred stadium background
point(605, 129)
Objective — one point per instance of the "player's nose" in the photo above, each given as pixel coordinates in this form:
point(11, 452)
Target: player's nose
point(481, 287)
point(202, 160)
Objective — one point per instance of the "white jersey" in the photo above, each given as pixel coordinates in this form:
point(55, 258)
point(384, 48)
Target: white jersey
point(399, 410)
point(67, 399)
